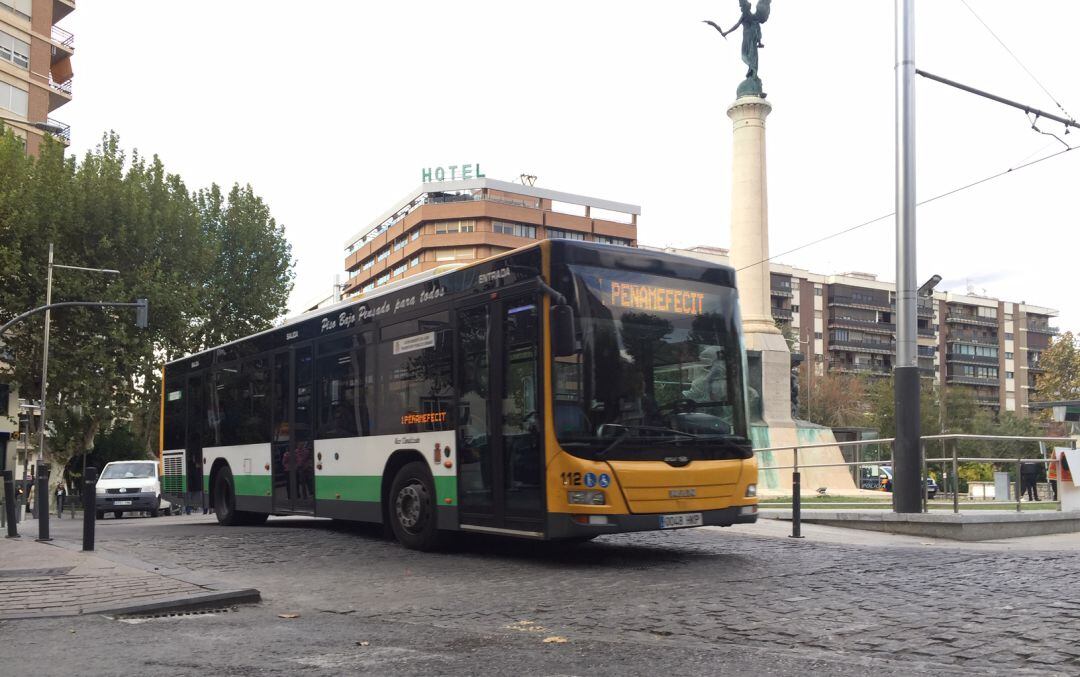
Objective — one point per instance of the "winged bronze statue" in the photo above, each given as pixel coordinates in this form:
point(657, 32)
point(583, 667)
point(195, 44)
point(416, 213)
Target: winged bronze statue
point(751, 21)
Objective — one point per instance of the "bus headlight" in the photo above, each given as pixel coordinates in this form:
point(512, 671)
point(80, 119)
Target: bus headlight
point(751, 490)
point(585, 497)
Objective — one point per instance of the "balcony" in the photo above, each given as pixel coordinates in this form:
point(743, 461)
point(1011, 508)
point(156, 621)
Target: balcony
point(65, 133)
point(971, 380)
point(987, 401)
point(1043, 329)
point(863, 325)
point(926, 331)
point(879, 348)
point(964, 318)
point(927, 351)
point(781, 313)
point(785, 293)
point(63, 44)
point(59, 92)
point(1036, 368)
point(974, 340)
point(853, 368)
point(971, 359)
point(925, 309)
point(852, 302)
point(62, 8)
point(927, 372)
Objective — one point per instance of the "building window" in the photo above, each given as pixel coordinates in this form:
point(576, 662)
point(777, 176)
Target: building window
point(367, 287)
point(455, 253)
point(817, 334)
point(13, 99)
point(415, 234)
point(400, 270)
point(401, 242)
point(20, 7)
point(1008, 336)
point(622, 242)
point(557, 234)
point(382, 279)
point(381, 256)
point(1008, 375)
point(414, 262)
point(1008, 356)
point(444, 227)
point(14, 50)
point(367, 264)
point(817, 290)
point(515, 229)
point(795, 307)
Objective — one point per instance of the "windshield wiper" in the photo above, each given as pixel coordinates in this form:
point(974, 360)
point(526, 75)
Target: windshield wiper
point(626, 428)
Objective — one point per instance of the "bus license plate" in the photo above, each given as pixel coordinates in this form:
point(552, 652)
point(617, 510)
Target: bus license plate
point(690, 519)
point(122, 503)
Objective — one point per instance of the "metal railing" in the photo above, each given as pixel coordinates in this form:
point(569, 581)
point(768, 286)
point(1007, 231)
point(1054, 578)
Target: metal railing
point(63, 87)
point(64, 129)
point(955, 459)
point(62, 37)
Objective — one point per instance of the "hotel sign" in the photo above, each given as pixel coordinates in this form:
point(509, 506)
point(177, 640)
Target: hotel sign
point(451, 173)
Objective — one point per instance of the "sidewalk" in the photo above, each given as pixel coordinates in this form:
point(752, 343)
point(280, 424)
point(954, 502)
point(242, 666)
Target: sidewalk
point(45, 580)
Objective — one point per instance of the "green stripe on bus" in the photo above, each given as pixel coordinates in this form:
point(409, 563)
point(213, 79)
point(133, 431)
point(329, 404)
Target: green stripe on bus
point(369, 488)
point(348, 488)
point(252, 485)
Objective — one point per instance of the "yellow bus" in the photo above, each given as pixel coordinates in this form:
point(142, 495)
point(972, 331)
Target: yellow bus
point(562, 390)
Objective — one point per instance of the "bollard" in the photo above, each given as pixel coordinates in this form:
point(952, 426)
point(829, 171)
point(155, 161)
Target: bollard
point(89, 507)
point(9, 503)
point(42, 492)
point(796, 498)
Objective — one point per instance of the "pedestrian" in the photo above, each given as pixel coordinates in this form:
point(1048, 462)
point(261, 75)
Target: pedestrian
point(30, 497)
point(61, 494)
point(1052, 472)
point(1029, 476)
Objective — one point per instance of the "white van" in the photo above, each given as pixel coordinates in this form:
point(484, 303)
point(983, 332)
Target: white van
point(130, 486)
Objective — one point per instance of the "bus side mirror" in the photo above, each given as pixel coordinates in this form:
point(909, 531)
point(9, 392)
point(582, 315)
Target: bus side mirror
point(562, 331)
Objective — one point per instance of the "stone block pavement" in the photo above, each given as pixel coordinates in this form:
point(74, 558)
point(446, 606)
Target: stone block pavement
point(56, 578)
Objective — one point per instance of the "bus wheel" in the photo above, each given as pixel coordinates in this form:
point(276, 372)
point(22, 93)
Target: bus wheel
point(117, 514)
point(225, 499)
point(412, 508)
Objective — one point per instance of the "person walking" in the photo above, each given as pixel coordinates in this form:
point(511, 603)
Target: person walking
point(61, 494)
point(1029, 476)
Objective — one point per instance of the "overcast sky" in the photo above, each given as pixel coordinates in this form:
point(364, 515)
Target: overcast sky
point(331, 109)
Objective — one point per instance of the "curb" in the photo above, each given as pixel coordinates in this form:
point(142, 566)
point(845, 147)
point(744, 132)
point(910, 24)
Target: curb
point(186, 603)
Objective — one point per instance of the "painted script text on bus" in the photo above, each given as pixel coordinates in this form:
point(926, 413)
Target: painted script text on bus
point(659, 299)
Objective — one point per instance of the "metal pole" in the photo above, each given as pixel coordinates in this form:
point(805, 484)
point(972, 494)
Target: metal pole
point(906, 372)
point(42, 492)
point(956, 482)
point(9, 503)
point(796, 497)
point(1019, 487)
point(922, 465)
point(45, 356)
point(89, 507)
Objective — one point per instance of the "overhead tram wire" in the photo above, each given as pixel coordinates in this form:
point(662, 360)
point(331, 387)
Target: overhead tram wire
point(1018, 61)
point(954, 191)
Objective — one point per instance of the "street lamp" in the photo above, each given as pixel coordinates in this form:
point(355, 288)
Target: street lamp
point(43, 126)
point(45, 348)
point(927, 288)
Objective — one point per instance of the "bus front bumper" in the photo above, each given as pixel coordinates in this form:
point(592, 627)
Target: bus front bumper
point(563, 525)
point(130, 502)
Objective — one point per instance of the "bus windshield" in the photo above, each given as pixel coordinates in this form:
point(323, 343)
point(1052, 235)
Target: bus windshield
point(659, 371)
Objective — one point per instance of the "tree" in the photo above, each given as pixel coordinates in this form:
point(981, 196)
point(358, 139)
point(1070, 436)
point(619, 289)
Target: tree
point(832, 400)
point(1061, 380)
point(213, 270)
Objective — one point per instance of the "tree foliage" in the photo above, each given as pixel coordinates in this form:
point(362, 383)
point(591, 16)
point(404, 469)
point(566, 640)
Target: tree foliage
point(1061, 380)
point(213, 267)
point(832, 400)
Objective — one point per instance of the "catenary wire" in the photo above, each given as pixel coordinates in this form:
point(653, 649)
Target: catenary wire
point(1017, 59)
point(954, 191)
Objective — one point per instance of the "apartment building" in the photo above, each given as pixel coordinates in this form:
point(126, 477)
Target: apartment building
point(846, 324)
point(457, 221)
point(35, 68)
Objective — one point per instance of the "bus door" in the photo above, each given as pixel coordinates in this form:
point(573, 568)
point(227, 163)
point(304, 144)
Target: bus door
point(500, 472)
point(291, 458)
point(196, 424)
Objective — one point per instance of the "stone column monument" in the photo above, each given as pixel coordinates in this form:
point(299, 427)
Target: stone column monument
point(766, 347)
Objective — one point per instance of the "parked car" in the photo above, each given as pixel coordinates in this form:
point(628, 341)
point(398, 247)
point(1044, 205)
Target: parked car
point(886, 478)
point(130, 486)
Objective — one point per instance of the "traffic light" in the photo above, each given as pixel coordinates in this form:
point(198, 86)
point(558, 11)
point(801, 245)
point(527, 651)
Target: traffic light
point(142, 313)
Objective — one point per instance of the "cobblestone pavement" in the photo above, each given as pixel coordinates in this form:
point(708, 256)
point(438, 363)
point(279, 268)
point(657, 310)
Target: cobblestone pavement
point(945, 608)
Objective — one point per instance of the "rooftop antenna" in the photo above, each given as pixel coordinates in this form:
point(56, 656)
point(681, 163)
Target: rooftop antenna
point(528, 179)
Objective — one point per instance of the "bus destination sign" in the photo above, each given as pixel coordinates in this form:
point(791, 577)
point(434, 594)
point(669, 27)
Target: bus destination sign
point(656, 299)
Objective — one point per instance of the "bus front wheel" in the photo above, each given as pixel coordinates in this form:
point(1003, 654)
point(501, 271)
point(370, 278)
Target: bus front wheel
point(412, 508)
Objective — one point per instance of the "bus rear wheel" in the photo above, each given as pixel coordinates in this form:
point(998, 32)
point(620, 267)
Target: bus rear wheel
point(412, 508)
point(225, 503)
